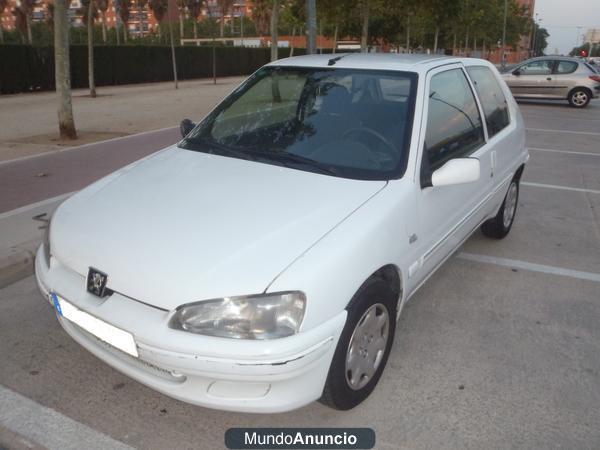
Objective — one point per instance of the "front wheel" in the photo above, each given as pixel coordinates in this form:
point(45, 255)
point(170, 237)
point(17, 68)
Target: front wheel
point(364, 346)
point(579, 98)
point(499, 226)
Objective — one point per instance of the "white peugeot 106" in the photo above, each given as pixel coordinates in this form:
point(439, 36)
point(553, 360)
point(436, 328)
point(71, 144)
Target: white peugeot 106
point(262, 262)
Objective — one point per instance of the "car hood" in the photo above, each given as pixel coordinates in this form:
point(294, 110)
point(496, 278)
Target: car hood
point(182, 226)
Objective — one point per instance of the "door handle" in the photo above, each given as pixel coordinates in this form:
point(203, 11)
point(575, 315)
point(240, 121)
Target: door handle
point(549, 79)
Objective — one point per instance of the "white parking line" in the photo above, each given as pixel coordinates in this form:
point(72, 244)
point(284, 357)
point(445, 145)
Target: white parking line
point(562, 151)
point(516, 264)
point(564, 188)
point(589, 133)
point(26, 208)
point(48, 427)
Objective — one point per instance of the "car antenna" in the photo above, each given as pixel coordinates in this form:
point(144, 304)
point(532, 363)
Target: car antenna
point(332, 61)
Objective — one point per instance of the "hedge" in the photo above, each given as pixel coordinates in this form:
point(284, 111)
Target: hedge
point(25, 68)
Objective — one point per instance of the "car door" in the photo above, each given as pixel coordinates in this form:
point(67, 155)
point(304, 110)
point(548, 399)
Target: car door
point(452, 127)
point(500, 121)
point(564, 79)
point(533, 79)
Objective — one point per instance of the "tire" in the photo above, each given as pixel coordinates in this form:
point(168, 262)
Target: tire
point(579, 98)
point(498, 227)
point(347, 383)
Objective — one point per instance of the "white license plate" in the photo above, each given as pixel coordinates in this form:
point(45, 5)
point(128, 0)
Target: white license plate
point(106, 332)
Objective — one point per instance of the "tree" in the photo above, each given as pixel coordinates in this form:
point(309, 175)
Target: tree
point(262, 16)
point(180, 9)
point(541, 41)
point(293, 16)
point(364, 16)
point(102, 6)
point(23, 17)
point(274, 25)
point(173, 59)
point(224, 7)
point(194, 8)
point(334, 13)
point(3, 4)
point(141, 4)
point(66, 123)
point(90, 13)
point(49, 16)
point(124, 16)
point(159, 9)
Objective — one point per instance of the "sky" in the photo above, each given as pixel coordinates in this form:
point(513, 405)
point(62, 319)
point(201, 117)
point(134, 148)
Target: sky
point(562, 17)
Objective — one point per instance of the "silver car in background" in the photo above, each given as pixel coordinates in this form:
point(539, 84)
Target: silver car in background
point(555, 78)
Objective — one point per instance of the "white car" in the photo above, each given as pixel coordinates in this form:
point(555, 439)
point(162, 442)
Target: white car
point(262, 262)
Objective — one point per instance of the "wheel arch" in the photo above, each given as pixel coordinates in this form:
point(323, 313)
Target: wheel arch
point(391, 275)
point(580, 88)
point(519, 172)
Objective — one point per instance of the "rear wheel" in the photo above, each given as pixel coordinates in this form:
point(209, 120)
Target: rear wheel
point(579, 98)
point(499, 226)
point(364, 346)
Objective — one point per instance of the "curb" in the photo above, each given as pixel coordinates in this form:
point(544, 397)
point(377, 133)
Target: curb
point(17, 262)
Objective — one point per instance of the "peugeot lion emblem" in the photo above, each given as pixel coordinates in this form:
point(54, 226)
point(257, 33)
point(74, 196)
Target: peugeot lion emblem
point(96, 282)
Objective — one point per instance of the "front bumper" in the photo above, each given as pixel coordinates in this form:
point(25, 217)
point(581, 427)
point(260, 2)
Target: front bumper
point(238, 375)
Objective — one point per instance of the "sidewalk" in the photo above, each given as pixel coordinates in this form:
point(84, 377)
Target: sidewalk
point(29, 121)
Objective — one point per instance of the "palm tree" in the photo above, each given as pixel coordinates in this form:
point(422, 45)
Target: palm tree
point(102, 5)
point(224, 6)
point(3, 4)
point(90, 13)
point(124, 16)
point(66, 123)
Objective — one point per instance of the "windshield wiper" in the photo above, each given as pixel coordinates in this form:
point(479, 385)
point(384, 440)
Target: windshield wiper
point(297, 159)
point(221, 148)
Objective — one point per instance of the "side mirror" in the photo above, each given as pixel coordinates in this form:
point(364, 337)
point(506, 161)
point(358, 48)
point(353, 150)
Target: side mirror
point(186, 126)
point(456, 171)
point(516, 72)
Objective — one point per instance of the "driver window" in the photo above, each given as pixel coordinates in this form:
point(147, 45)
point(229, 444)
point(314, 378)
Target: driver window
point(454, 126)
point(543, 67)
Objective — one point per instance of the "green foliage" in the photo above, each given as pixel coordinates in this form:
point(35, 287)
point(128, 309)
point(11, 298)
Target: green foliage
point(456, 21)
point(540, 41)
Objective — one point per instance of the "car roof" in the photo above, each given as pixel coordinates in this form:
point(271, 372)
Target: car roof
point(378, 61)
point(551, 57)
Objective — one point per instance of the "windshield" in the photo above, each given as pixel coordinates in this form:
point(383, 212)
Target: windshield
point(340, 122)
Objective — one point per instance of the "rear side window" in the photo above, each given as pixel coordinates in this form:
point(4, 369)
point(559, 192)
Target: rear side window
point(492, 98)
point(454, 126)
point(566, 67)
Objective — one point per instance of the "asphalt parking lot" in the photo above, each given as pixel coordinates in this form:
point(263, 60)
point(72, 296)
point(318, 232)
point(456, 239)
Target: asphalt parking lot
point(500, 349)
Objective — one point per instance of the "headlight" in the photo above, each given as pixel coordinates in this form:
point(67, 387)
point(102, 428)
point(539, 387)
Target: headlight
point(262, 316)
